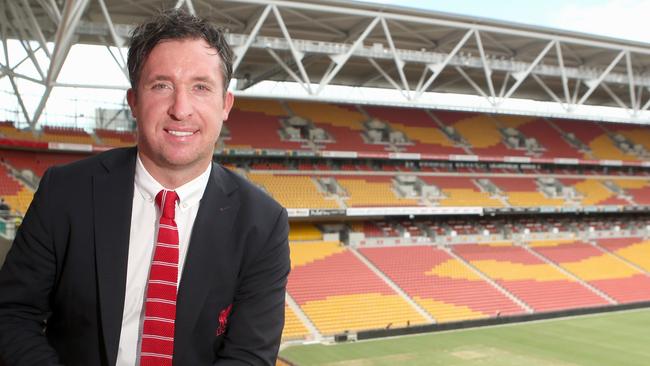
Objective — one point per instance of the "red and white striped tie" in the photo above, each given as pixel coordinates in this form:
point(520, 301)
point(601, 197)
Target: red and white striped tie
point(160, 304)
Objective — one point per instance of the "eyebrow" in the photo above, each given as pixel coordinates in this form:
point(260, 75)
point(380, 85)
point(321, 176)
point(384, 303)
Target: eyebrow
point(205, 79)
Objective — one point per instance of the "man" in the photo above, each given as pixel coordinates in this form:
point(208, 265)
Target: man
point(154, 255)
point(5, 210)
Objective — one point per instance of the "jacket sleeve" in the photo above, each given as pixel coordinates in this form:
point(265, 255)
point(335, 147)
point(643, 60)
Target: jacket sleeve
point(26, 281)
point(257, 318)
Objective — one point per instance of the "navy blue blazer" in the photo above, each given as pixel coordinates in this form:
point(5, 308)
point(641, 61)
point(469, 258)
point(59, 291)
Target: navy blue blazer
point(63, 282)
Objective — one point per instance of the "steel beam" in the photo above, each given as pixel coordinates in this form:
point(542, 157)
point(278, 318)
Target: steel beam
point(601, 77)
point(341, 60)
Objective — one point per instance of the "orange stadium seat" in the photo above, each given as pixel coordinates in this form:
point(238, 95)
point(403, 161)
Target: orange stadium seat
point(537, 283)
point(621, 281)
point(339, 293)
point(446, 288)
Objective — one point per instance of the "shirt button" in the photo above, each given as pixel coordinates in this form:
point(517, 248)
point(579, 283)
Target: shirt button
point(184, 205)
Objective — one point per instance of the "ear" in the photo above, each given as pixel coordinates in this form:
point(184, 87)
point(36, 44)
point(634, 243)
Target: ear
point(131, 98)
point(227, 104)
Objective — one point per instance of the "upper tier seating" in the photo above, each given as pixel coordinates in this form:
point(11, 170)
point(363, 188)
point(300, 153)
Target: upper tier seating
point(9, 131)
point(522, 192)
point(595, 137)
point(461, 191)
point(481, 132)
point(66, 134)
point(343, 123)
point(293, 191)
point(594, 192)
point(637, 188)
point(419, 127)
point(548, 137)
point(366, 191)
point(115, 138)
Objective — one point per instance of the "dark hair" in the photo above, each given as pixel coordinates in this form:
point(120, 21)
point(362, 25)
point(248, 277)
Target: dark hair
point(176, 24)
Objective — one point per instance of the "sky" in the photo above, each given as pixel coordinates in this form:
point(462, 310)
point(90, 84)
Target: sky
point(622, 19)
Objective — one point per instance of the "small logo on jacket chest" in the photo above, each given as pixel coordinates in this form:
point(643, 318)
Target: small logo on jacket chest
point(223, 320)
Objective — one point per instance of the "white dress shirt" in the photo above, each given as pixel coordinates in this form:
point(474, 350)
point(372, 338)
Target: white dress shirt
point(144, 230)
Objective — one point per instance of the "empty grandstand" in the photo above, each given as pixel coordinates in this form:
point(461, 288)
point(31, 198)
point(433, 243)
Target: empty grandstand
point(407, 214)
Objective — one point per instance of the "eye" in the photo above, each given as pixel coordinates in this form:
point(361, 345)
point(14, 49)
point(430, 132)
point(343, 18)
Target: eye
point(159, 86)
point(202, 87)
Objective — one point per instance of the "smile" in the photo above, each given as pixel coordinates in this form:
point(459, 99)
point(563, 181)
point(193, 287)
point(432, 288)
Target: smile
point(180, 133)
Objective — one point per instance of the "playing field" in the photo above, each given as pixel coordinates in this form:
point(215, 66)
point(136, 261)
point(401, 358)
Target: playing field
point(612, 339)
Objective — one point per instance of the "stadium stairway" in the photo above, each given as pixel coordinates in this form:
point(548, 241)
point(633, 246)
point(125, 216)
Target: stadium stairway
point(489, 280)
point(621, 281)
point(304, 319)
point(393, 285)
point(635, 251)
point(571, 275)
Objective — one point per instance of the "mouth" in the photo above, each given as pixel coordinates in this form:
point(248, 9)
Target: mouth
point(180, 133)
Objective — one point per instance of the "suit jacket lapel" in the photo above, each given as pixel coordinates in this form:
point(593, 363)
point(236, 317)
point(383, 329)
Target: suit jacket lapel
point(211, 234)
point(113, 201)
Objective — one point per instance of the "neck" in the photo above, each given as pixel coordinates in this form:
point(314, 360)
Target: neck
point(173, 177)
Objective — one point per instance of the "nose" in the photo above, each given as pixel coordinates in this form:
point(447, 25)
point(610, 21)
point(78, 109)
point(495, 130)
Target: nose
point(181, 107)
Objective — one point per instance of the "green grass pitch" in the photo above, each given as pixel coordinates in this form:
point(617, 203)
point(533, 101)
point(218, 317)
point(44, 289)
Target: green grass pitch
point(611, 339)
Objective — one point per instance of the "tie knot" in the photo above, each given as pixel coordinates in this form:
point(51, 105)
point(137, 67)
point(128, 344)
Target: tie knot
point(166, 201)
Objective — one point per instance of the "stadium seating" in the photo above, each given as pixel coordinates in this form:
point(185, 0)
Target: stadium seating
point(616, 278)
point(342, 123)
point(546, 135)
point(595, 137)
point(419, 127)
point(481, 132)
point(304, 231)
point(634, 250)
point(293, 191)
point(37, 161)
point(443, 286)
point(594, 192)
point(8, 130)
point(293, 326)
point(537, 283)
point(66, 134)
point(461, 191)
point(16, 195)
point(367, 191)
point(339, 293)
point(522, 192)
point(115, 138)
point(637, 188)
point(256, 130)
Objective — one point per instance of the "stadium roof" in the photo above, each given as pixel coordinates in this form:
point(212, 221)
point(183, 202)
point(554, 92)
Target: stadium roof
point(323, 43)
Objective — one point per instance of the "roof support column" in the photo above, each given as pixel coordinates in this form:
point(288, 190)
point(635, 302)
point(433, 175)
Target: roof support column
point(437, 68)
point(241, 50)
point(297, 56)
point(342, 59)
point(595, 83)
point(399, 63)
point(72, 11)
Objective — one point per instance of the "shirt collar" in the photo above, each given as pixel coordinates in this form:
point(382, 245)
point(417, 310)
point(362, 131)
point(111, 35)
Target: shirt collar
point(189, 194)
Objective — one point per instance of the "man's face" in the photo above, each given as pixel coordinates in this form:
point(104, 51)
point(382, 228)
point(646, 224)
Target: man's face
point(179, 106)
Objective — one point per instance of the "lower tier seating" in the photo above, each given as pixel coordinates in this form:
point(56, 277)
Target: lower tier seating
point(442, 285)
point(621, 281)
point(340, 293)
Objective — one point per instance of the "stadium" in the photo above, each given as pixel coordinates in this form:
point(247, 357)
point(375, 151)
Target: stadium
point(460, 190)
